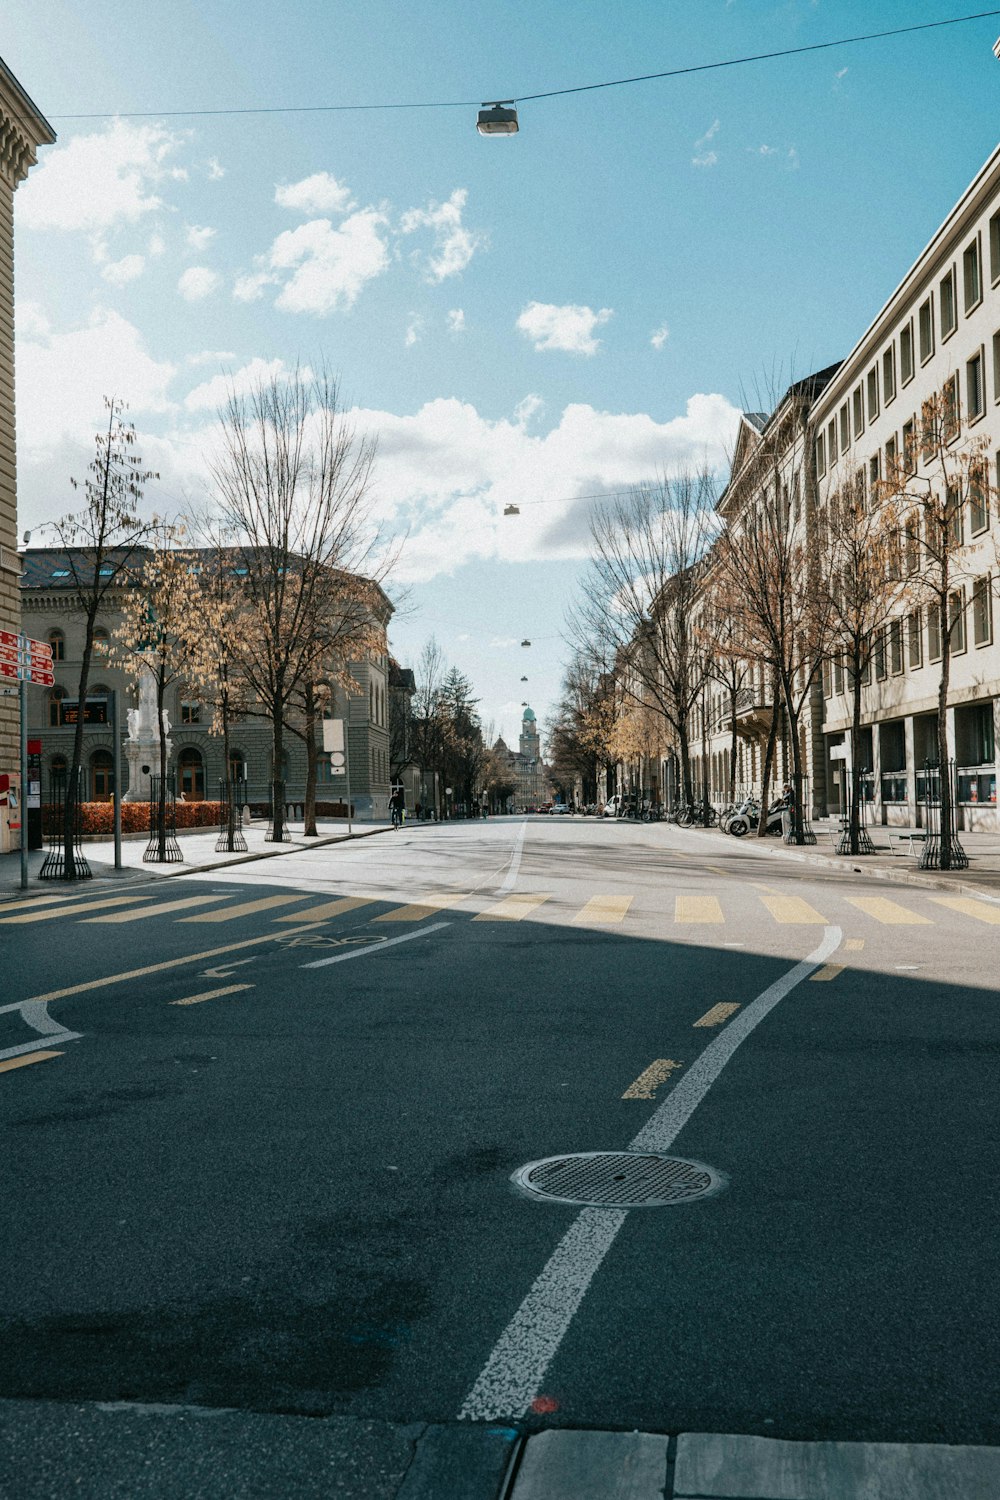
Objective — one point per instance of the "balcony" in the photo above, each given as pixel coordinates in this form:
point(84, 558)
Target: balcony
point(753, 714)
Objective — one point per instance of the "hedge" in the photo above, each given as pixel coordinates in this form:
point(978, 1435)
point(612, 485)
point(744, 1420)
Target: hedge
point(98, 817)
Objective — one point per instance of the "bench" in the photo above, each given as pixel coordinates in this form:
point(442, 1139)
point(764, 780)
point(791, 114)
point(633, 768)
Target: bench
point(908, 836)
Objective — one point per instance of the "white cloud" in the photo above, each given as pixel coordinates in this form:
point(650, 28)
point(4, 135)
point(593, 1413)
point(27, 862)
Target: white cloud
point(212, 357)
point(709, 135)
point(659, 338)
point(120, 272)
point(841, 73)
point(198, 236)
point(156, 245)
point(792, 159)
point(456, 320)
point(414, 329)
point(767, 150)
point(705, 159)
point(214, 393)
point(213, 170)
point(320, 269)
point(528, 407)
point(198, 282)
point(569, 328)
point(96, 181)
point(454, 245)
point(318, 194)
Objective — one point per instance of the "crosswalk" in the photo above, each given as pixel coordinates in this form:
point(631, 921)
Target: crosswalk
point(601, 910)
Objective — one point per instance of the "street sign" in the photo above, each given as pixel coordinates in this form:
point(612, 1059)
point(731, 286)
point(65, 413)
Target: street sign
point(44, 679)
point(10, 669)
point(95, 711)
point(37, 648)
point(9, 638)
point(9, 653)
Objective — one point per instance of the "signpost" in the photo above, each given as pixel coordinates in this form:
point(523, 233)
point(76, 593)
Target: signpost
point(25, 660)
point(335, 745)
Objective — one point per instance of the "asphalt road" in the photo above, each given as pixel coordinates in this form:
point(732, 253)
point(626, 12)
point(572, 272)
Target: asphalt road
point(252, 1183)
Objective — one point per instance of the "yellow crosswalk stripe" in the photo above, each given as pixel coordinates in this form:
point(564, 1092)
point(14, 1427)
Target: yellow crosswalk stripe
point(512, 909)
point(717, 1014)
point(888, 912)
point(70, 911)
point(39, 901)
point(828, 971)
point(245, 909)
point(154, 911)
point(10, 1063)
point(420, 910)
point(604, 909)
point(970, 908)
point(649, 1080)
point(697, 909)
point(790, 909)
point(230, 989)
point(327, 909)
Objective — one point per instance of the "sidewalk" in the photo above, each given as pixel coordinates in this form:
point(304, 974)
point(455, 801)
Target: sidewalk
point(119, 1451)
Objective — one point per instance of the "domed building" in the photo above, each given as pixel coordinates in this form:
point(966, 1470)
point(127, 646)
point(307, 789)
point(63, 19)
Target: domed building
point(528, 770)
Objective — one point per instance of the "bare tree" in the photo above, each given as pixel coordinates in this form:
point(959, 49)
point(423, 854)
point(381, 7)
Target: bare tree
point(101, 544)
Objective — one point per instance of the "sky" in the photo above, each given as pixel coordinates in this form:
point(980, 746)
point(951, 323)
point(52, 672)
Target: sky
point(534, 320)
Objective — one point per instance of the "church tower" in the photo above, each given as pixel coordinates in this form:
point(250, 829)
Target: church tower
point(530, 747)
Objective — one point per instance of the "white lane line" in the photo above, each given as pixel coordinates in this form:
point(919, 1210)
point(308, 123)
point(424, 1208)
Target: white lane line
point(406, 937)
point(510, 1379)
point(510, 878)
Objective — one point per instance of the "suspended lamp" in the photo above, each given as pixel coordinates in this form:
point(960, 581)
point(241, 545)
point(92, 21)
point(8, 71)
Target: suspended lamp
point(498, 119)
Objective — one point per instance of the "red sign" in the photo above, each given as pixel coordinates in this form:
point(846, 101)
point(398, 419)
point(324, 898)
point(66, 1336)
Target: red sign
point(9, 653)
point(43, 679)
point(37, 648)
point(8, 638)
point(9, 669)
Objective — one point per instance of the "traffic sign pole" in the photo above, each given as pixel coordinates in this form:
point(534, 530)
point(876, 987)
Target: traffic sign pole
point(24, 784)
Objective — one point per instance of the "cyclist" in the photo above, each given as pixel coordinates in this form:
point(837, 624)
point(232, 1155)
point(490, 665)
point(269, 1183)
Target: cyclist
point(396, 805)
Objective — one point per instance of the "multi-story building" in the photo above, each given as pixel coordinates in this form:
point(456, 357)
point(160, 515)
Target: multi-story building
point(51, 612)
point(22, 130)
point(527, 768)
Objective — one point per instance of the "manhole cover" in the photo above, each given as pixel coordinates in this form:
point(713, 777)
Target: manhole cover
point(618, 1179)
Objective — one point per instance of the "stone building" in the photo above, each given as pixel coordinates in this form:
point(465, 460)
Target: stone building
point(527, 768)
point(22, 130)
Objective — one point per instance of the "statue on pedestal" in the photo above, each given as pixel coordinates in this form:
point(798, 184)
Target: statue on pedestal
point(142, 748)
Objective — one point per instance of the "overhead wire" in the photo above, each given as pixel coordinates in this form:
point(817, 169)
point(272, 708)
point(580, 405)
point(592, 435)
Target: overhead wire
point(582, 88)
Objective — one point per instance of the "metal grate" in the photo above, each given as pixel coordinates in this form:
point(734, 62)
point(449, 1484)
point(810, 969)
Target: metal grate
point(617, 1179)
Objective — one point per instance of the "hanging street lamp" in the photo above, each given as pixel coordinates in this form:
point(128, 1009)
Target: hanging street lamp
point(498, 119)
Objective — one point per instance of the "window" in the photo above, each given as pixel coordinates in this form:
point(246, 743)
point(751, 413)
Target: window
point(838, 675)
point(60, 572)
point(956, 621)
point(56, 696)
point(858, 403)
point(972, 279)
point(827, 680)
point(953, 515)
point(896, 663)
point(873, 393)
point(190, 711)
point(975, 395)
point(889, 374)
point(995, 248)
point(192, 775)
point(996, 366)
point(934, 632)
point(914, 642)
point(912, 543)
point(821, 455)
point(891, 457)
point(102, 641)
point(906, 352)
point(946, 305)
point(102, 776)
point(979, 499)
point(879, 655)
point(58, 643)
point(925, 329)
point(831, 442)
point(982, 611)
point(950, 422)
point(845, 428)
point(873, 474)
point(910, 446)
point(237, 766)
point(928, 429)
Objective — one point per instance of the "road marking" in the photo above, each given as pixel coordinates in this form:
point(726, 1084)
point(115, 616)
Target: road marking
point(889, 913)
point(854, 945)
point(512, 1376)
point(970, 908)
point(510, 878)
point(70, 911)
point(513, 909)
point(225, 970)
point(697, 909)
point(152, 911)
point(34, 901)
point(422, 909)
point(648, 1082)
point(22, 1062)
point(717, 1015)
point(327, 909)
point(230, 989)
point(379, 947)
point(604, 909)
point(245, 909)
point(791, 909)
point(167, 963)
point(830, 971)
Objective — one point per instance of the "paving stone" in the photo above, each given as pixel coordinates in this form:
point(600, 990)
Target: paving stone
point(714, 1467)
point(592, 1466)
point(459, 1463)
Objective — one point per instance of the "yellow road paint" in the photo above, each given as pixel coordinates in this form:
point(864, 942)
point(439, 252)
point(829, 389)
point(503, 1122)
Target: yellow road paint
point(230, 989)
point(70, 911)
point(512, 909)
point(604, 909)
point(828, 971)
point(245, 909)
point(154, 911)
point(697, 909)
point(791, 909)
point(35, 901)
point(170, 963)
point(889, 913)
point(10, 1063)
point(648, 1082)
point(970, 908)
point(420, 910)
point(717, 1015)
point(854, 945)
point(327, 909)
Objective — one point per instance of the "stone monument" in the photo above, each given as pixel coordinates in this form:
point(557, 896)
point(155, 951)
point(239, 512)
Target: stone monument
point(142, 748)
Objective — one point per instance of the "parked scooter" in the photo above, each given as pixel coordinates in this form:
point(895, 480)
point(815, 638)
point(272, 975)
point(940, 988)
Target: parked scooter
point(742, 822)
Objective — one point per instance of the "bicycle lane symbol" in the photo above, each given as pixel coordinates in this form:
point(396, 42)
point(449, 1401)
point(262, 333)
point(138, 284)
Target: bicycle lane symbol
point(317, 940)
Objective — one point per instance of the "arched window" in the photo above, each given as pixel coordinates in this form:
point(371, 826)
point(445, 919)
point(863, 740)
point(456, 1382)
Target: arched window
point(58, 643)
point(102, 776)
point(192, 775)
point(56, 696)
point(102, 641)
point(237, 766)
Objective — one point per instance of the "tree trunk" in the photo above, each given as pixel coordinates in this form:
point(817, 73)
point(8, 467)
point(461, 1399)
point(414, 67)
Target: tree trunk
point(277, 781)
point(733, 746)
point(684, 750)
point(228, 783)
point(309, 810)
point(161, 804)
point(944, 769)
point(856, 784)
point(772, 740)
point(73, 781)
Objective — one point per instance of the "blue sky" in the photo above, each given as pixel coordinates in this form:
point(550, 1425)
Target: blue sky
point(532, 319)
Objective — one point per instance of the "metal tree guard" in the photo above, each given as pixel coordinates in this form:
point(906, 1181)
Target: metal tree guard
point(930, 858)
point(865, 845)
point(232, 801)
point(54, 863)
point(163, 847)
point(278, 799)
